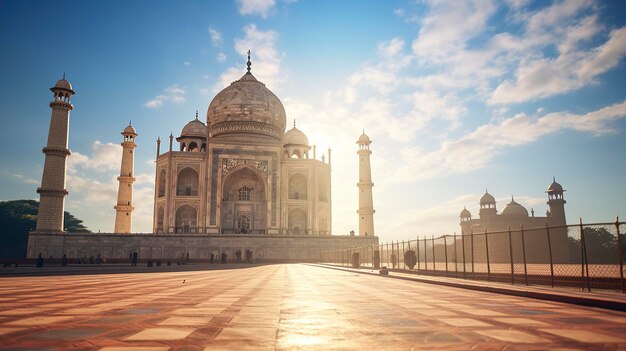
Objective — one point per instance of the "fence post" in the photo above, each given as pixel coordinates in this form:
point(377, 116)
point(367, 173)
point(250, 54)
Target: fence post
point(585, 264)
point(524, 255)
point(403, 260)
point(426, 254)
point(511, 256)
point(456, 263)
point(463, 250)
point(445, 251)
point(550, 252)
point(487, 251)
point(472, 250)
point(434, 261)
point(620, 255)
point(417, 245)
point(388, 256)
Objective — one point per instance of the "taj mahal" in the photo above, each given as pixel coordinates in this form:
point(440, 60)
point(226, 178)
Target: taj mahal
point(236, 183)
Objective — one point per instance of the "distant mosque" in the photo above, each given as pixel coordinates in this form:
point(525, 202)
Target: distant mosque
point(513, 231)
point(514, 214)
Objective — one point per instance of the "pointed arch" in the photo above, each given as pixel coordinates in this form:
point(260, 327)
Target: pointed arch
point(186, 219)
point(297, 221)
point(298, 187)
point(187, 182)
point(161, 182)
point(244, 193)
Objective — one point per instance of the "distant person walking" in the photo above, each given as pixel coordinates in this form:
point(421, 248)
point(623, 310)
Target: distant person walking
point(40, 261)
point(134, 260)
point(64, 260)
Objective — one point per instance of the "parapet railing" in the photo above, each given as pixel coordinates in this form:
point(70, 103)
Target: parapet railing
point(581, 256)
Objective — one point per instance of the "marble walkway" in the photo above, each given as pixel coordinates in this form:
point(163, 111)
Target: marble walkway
point(285, 307)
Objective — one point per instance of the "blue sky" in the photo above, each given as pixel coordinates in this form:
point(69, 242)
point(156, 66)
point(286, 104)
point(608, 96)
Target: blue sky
point(457, 97)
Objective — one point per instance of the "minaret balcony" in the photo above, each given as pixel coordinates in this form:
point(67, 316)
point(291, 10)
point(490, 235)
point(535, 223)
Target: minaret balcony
point(58, 192)
point(56, 151)
point(126, 179)
point(62, 105)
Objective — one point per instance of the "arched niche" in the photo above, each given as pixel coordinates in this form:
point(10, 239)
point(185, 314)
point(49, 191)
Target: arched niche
point(187, 182)
point(298, 187)
point(161, 182)
point(297, 221)
point(186, 219)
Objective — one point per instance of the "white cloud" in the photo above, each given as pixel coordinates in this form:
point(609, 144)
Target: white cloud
point(256, 7)
point(221, 57)
point(216, 37)
point(399, 12)
point(266, 61)
point(186, 63)
point(173, 93)
point(606, 56)
point(478, 148)
point(448, 26)
point(106, 157)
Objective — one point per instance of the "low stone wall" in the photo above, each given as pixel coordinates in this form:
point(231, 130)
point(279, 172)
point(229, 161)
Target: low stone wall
point(264, 248)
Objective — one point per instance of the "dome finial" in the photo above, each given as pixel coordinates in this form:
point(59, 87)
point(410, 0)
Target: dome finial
point(196, 115)
point(63, 75)
point(130, 122)
point(294, 122)
point(249, 64)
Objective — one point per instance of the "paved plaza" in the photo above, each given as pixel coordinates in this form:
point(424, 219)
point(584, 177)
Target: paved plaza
point(285, 307)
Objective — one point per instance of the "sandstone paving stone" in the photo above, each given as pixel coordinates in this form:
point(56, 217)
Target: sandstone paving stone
point(161, 334)
point(585, 336)
point(286, 307)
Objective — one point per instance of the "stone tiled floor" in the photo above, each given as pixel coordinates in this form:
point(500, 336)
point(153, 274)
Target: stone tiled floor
point(285, 307)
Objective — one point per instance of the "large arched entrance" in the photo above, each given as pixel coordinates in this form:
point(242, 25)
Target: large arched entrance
point(244, 203)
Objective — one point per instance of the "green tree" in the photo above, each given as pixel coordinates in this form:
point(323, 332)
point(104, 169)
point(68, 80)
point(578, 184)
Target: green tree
point(17, 218)
point(600, 244)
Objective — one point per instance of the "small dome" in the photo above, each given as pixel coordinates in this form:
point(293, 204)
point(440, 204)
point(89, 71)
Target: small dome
point(555, 187)
point(129, 130)
point(63, 84)
point(465, 213)
point(194, 128)
point(364, 139)
point(514, 209)
point(487, 199)
point(295, 137)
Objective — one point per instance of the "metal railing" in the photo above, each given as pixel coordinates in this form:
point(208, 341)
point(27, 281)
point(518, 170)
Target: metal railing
point(581, 256)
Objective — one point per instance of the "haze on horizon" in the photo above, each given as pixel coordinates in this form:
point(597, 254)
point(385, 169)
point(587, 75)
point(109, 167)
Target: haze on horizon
point(456, 96)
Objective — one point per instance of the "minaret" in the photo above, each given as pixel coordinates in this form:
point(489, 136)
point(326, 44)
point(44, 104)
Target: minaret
point(124, 207)
point(52, 191)
point(556, 202)
point(366, 206)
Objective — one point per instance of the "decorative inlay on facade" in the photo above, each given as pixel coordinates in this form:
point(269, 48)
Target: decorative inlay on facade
point(179, 204)
point(248, 126)
point(194, 166)
point(228, 164)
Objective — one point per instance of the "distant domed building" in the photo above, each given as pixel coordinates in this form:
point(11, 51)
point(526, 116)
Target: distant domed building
point(515, 216)
point(241, 173)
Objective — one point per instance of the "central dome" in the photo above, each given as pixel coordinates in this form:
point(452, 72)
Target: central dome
point(246, 109)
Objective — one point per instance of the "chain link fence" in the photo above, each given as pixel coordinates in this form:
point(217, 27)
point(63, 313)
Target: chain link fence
point(582, 256)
